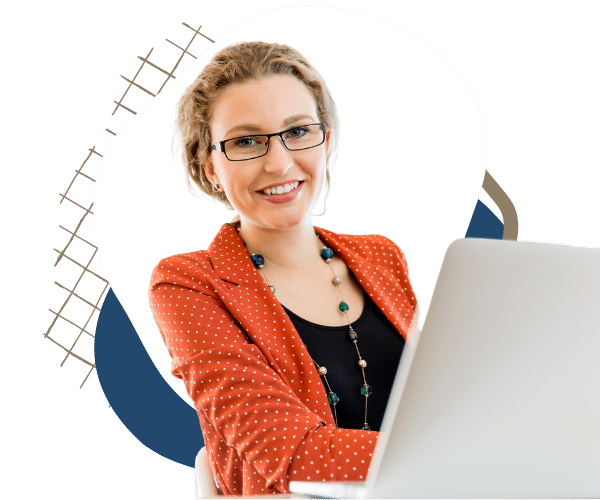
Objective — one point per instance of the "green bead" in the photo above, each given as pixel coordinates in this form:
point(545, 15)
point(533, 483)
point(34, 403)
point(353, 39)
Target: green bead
point(343, 306)
point(333, 398)
point(366, 390)
point(366, 427)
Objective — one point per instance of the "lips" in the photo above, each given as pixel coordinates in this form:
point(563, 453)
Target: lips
point(281, 193)
point(280, 188)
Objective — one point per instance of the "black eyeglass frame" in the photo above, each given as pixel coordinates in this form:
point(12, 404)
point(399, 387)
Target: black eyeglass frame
point(220, 146)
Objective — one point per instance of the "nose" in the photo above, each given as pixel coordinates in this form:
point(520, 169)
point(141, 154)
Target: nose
point(279, 159)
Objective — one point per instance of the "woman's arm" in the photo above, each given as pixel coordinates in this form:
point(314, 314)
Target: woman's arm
point(242, 402)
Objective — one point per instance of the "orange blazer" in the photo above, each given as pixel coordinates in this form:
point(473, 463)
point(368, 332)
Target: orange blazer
point(261, 403)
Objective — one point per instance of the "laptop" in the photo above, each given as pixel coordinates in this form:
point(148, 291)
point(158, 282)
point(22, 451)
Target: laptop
point(499, 395)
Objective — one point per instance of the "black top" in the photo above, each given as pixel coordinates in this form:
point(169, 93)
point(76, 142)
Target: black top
point(380, 346)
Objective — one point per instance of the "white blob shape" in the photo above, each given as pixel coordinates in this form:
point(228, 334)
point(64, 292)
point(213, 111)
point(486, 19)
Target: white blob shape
point(410, 166)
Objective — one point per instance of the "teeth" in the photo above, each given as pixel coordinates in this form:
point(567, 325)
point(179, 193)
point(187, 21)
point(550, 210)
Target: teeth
point(285, 188)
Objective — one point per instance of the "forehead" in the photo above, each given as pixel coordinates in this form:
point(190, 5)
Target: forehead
point(262, 104)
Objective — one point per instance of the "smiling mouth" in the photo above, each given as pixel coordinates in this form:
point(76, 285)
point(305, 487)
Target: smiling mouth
point(282, 189)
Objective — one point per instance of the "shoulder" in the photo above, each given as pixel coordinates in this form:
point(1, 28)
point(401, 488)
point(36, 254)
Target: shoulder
point(190, 270)
point(366, 245)
point(375, 248)
point(357, 241)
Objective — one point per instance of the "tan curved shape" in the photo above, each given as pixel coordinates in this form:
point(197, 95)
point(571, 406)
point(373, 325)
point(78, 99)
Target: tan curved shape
point(501, 199)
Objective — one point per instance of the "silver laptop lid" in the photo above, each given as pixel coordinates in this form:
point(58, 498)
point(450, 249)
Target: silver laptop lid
point(502, 398)
point(503, 395)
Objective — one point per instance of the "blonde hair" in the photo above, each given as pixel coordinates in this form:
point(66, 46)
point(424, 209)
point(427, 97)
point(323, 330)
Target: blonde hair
point(239, 63)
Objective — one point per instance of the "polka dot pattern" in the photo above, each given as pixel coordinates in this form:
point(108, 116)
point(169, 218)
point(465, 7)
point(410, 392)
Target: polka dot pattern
point(260, 401)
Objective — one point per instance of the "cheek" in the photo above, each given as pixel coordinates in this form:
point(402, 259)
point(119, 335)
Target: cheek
point(320, 169)
point(237, 183)
point(225, 174)
point(315, 165)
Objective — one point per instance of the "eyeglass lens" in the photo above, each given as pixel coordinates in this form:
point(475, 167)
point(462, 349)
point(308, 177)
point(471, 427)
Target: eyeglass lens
point(253, 146)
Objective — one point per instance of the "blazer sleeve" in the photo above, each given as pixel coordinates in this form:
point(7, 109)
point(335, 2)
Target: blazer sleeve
point(240, 397)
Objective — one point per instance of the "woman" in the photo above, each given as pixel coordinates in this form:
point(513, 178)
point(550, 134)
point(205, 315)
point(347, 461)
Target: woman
point(271, 327)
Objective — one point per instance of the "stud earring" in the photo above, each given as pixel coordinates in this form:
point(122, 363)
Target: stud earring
point(216, 188)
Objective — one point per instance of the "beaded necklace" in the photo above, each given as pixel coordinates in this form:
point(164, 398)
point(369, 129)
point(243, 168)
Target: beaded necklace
point(327, 254)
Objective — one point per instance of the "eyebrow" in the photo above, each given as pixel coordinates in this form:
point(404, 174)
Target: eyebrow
point(293, 119)
point(255, 128)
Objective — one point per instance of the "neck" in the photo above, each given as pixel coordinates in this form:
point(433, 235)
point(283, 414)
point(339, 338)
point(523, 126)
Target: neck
point(293, 249)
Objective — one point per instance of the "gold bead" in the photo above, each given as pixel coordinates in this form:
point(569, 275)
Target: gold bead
point(322, 370)
point(362, 363)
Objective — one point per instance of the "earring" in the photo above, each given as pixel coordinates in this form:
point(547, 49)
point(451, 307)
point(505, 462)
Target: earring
point(216, 188)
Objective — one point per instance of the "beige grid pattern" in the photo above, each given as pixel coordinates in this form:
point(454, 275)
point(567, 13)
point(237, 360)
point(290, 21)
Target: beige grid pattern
point(93, 303)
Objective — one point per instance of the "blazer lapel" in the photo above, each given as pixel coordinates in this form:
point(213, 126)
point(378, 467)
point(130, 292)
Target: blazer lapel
point(370, 276)
point(250, 301)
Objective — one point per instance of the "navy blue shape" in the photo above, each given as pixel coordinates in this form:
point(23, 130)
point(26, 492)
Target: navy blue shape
point(151, 410)
point(484, 224)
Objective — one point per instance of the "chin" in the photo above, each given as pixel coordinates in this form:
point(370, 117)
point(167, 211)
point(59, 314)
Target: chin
point(289, 221)
point(288, 218)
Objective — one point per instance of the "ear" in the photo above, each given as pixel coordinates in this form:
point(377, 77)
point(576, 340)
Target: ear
point(209, 171)
point(327, 138)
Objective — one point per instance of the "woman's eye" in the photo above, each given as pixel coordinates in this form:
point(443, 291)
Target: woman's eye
point(296, 132)
point(245, 142)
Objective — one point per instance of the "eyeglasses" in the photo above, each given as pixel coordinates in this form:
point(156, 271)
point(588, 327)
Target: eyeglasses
point(249, 147)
